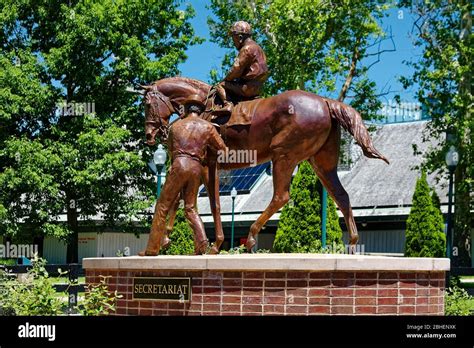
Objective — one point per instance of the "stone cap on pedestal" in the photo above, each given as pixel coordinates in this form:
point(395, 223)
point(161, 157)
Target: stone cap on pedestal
point(270, 262)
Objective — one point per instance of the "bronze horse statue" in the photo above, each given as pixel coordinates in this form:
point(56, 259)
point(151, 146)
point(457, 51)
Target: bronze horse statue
point(286, 129)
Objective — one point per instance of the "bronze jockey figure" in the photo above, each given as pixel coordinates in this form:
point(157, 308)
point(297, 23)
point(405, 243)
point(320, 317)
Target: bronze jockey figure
point(249, 71)
point(188, 142)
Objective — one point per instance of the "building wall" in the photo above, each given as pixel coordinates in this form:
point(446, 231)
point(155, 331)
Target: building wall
point(87, 245)
point(54, 250)
point(108, 244)
point(380, 241)
point(94, 245)
point(265, 240)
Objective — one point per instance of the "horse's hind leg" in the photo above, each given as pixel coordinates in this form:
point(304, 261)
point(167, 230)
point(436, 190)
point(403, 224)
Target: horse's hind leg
point(283, 167)
point(324, 164)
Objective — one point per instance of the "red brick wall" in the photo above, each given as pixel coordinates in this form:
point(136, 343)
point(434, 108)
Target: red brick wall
point(287, 293)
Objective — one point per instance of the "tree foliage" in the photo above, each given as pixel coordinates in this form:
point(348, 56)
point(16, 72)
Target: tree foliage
point(299, 228)
point(442, 75)
point(333, 229)
point(60, 53)
point(425, 227)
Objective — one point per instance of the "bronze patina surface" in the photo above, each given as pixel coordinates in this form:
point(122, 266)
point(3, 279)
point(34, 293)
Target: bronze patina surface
point(286, 129)
point(189, 141)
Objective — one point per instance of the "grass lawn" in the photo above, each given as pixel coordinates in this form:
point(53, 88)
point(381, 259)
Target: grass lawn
point(467, 281)
point(64, 280)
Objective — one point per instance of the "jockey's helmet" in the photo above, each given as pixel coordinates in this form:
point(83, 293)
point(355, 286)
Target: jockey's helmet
point(241, 27)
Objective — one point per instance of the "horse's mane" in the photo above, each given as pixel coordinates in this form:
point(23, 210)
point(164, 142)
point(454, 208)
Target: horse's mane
point(197, 84)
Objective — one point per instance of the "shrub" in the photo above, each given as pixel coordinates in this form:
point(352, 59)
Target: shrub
point(33, 296)
point(36, 295)
point(299, 229)
point(182, 237)
point(242, 250)
point(333, 229)
point(457, 300)
point(425, 227)
point(98, 300)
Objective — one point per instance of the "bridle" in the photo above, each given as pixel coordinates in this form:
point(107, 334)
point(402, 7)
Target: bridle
point(163, 129)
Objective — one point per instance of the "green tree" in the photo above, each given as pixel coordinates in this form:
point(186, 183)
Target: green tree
point(182, 238)
point(333, 229)
point(299, 229)
point(435, 199)
point(442, 76)
point(425, 227)
point(56, 52)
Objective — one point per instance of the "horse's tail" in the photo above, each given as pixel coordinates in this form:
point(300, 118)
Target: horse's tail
point(351, 121)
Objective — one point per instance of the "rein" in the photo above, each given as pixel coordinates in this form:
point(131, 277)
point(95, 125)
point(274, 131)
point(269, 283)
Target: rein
point(163, 130)
point(211, 94)
point(164, 99)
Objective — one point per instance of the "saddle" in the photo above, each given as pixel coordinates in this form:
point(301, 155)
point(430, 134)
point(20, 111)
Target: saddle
point(241, 114)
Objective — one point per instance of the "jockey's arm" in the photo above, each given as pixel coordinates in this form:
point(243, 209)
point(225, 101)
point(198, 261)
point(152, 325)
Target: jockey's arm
point(243, 60)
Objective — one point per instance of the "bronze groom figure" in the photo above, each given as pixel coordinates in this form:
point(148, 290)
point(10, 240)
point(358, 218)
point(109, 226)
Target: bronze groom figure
point(189, 140)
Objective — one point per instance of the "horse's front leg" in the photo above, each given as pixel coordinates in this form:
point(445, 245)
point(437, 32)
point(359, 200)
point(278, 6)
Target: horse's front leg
point(211, 181)
point(283, 167)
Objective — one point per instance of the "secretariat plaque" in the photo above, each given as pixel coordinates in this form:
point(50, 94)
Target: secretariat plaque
point(162, 289)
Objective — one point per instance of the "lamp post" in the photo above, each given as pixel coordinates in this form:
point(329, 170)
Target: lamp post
point(233, 194)
point(452, 159)
point(324, 203)
point(159, 157)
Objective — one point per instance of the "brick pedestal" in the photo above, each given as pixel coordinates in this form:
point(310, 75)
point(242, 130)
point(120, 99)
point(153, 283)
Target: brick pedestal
point(282, 284)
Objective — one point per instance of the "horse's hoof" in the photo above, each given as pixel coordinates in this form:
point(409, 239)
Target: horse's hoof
point(250, 244)
point(165, 243)
point(214, 250)
point(354, 239)
point(147, 253)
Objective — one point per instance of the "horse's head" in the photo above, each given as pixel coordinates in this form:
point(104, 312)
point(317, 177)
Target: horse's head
point(158, 109)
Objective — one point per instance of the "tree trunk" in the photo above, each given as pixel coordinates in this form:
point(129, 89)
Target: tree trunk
point(39, 241)
point(352, 70)
point(72, 254)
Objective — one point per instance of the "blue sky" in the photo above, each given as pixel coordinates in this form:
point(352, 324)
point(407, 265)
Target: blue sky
point(206, 56)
